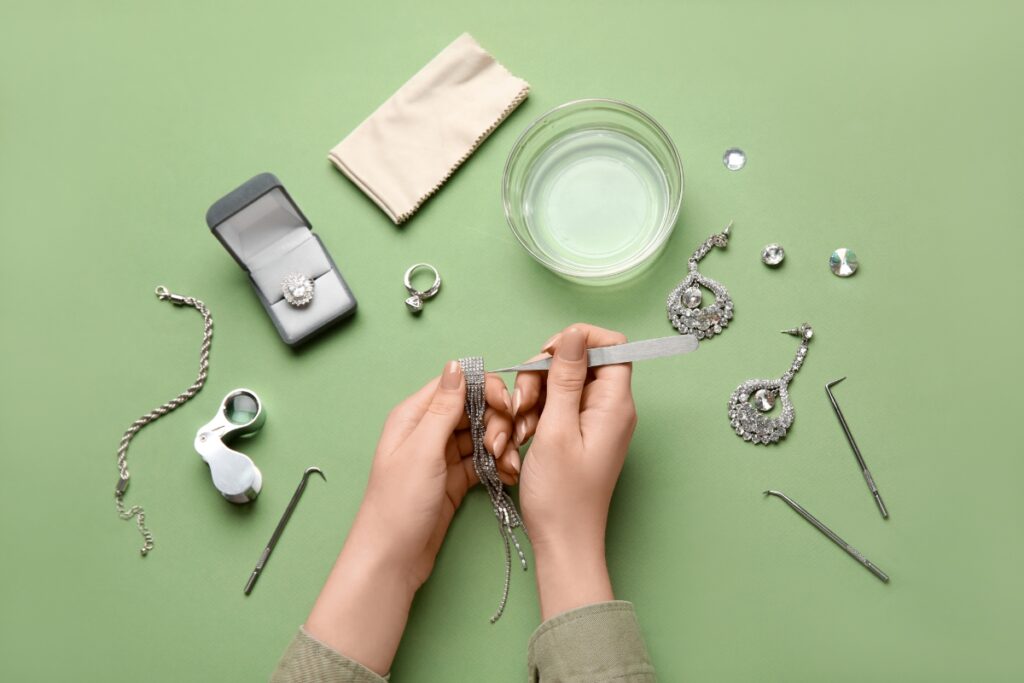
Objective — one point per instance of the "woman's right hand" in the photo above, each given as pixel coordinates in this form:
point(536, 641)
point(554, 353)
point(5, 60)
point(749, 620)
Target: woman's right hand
point(581, 420)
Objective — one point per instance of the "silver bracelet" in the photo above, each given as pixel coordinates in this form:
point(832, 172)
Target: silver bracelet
point(487, 472)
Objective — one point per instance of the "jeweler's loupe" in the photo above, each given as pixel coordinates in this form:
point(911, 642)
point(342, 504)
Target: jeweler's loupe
point(234, 474)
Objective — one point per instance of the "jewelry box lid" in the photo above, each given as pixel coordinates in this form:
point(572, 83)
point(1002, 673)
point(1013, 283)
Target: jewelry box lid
point(255, 216)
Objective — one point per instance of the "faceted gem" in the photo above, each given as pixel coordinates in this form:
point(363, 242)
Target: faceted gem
point(843, 262)
point(772, 255)
point(764, 400)
point(692, 297)
point(414, 304)
point(297, 289)
point(734, 159)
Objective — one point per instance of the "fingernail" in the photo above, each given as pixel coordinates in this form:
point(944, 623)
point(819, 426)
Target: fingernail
point(520, 431)
point(506, 400)
point(499, 444)
point(572, 346)
point(551, 340)
point(513, 459)
point(451, 376)
point(517, 400)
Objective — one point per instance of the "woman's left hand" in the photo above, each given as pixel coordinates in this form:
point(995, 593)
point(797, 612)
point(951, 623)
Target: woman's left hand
point(423, 468)
point(421, 471)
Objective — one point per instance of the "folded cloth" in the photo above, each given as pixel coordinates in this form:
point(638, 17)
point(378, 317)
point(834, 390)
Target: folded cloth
point(405, 151)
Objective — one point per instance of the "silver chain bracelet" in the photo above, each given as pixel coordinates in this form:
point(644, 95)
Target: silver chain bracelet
point(124, 476)
point(487, 472)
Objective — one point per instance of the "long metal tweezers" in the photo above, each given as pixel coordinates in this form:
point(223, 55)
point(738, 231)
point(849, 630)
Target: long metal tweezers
point(621, 353)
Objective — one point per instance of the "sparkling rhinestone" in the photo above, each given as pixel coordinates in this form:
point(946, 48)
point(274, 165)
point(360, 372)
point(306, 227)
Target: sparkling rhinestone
point(734, 159)
point(772, 255)
point(843, 262)
point(692, 297)
point(764, 400)
point(297, 289)
point(414, 304)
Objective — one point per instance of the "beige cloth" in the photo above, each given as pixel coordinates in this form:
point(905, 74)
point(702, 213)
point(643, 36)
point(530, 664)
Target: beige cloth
point(405, 151)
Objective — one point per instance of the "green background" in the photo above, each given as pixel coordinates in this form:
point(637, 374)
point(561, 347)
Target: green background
point(890, 128)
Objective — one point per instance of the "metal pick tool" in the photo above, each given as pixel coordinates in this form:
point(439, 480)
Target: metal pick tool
point(850, 550)
point(856, 451)
point(621, 353)
point(265, 555)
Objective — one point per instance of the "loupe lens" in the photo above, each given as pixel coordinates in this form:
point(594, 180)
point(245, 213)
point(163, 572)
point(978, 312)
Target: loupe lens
point(241, 408)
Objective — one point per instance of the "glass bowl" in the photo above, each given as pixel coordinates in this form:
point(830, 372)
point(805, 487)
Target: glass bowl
point(592, 190)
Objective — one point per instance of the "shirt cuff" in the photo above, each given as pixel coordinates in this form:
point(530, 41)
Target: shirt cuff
point(600, 642)
point(307, 659)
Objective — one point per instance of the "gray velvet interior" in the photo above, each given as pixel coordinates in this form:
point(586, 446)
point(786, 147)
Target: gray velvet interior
point(304, 256)
point(260, 226)
point(331, 296)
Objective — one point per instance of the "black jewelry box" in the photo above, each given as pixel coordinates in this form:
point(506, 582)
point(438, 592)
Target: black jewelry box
point(268, 235)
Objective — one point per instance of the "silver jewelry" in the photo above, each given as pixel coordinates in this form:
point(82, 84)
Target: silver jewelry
point(772, 255)
point(124, 476)
point(297, 289)
point(415, 302)
point(684, 311)
point(234, 474)
point(757, 396)
point(843, 262)
point(487, 472)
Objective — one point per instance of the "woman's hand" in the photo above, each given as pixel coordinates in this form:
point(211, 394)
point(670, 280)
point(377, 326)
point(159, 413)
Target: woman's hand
point(581, 421)
point(421, 472)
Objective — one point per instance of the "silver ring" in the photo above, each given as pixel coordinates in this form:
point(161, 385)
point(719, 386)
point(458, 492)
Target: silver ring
point(415, 302)
point(297, 289)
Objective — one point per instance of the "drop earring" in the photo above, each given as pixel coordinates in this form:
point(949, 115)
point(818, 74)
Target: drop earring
point(755, 397)
point(684, 311)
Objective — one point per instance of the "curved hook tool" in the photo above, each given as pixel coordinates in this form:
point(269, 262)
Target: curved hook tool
point(856, 451)
point(292, 504)
point(850, 550)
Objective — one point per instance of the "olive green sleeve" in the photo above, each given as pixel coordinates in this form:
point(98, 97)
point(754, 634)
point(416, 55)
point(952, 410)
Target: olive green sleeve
point(307, 659)
point(592, 644)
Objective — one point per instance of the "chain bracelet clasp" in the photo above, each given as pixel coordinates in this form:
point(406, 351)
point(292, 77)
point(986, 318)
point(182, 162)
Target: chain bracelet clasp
point(164, 294)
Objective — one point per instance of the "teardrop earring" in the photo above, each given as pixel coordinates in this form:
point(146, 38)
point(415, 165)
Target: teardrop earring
point(757, 396)
point(684, 311)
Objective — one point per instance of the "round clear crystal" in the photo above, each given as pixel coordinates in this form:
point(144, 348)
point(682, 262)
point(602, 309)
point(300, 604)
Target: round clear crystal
point(843, 262)
point(772, 255)
point(692, 297)
point(734, 159)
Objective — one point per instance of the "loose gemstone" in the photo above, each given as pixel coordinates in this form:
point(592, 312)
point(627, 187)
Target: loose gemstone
point(734, 159)
point(843, 262)
point(772, 255)
point(692, 297)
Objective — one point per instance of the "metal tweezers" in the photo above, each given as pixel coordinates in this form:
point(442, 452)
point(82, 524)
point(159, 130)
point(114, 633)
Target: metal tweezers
point(621, 353)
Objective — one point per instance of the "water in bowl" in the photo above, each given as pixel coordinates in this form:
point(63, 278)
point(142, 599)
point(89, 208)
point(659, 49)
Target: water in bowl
point(595, 199)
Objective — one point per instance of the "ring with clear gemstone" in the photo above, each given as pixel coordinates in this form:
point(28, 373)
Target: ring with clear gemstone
point(297, 289)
